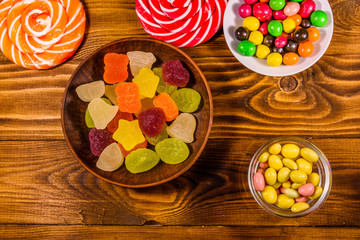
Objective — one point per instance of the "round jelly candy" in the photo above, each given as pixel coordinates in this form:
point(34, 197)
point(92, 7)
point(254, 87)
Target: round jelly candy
point(247, 48)
point(275, 28)
point(291, 8)
point(99, 139)
point(262, 51)
point(306, 8)
point(251, 23)
point(291, 46)
point(244, 10)
point(289, 25)
point(290, 58)
point(319, 18)
point(151, 121)
point(269, 40)
point(141, 160)
point(301, 35)
point(175, 74)
point(274, 59)
point(305, 49)
point(256, 37)
point(264, 28)
point(262, 11)
point(314, 34)
point(279, 15)
point(172, 150)
point(305, 23)
point(280, 42)
point(277, 4)
point(242, 33)
point(186, 99)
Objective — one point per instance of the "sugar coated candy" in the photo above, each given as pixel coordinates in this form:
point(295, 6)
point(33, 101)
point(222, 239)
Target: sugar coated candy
point(139, 60)
point(101, 112)
point(186, 99)
point(128, 134)
point(88, 120)
point(111, 158)
point(128, 97)
point(152, 121)
point(162, 86)
point(115, 68)
point(183, 127)
point(89, 91)
point(141, 160)
point(166, 103)
point(147, 82)
point(110, 93)
point(172, 150)
point(140, 145)
point(114, 123)
point(155, 140)
point(174, 73)
point(99, 140)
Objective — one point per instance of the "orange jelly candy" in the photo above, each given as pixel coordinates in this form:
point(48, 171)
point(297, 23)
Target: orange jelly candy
point(128, 97)
point(115, 68)
point(164, 101)
point(140, 145)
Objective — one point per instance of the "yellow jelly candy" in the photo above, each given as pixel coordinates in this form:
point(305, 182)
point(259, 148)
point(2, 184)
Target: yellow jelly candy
point(128, 134)
point(147, 82)
point(110, 93)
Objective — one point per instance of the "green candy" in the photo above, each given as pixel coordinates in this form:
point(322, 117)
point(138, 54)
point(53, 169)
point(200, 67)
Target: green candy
point(186, 99)
point(155, 140)
point(172, 150)
point(318, 18)
point(296, 0)
point(247, 48)
point(141, 160)
point(275, 28)
point(277, 4)
point(162, 86)
point(88, 120)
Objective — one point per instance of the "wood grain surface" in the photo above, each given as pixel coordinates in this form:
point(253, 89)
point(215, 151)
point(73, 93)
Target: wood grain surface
point(46, 194)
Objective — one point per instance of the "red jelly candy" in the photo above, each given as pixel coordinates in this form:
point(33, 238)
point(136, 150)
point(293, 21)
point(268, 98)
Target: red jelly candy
point(114, 123)
point(152, 121)
point(99, 140)
point(174, 73)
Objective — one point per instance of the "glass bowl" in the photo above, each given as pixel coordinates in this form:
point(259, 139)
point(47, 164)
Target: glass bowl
point(322, 167)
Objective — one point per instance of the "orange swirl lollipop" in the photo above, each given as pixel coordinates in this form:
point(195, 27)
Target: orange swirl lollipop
point(41, 34)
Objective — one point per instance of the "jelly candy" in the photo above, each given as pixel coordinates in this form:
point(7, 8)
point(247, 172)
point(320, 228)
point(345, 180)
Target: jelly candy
point(89, 91)
point(162, 86)
point(111, 158)
point(147, 82)
point(186, 99)
point(110, 93)
point(183, 127)
point(139, 60)
point(88, 120)
point(128, 134)
point(174, 73)
point(101, 112)
point(155, 140)
point(152, 121)
point(99, 140)
point(172, 150)
point(128, 97)
point(115, 68)
point(164, 101)
point(146, 103)
point(140, 145)
point(114, 123)
point(141, 160)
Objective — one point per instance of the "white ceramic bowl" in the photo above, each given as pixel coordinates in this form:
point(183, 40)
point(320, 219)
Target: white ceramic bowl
point(232, 21)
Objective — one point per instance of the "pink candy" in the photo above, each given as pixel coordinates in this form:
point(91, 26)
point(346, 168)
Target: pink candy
point(279, 15)
point(250, 1)
point(291, 8)
point(301, 199)
point(244, 10)
point(306, 189)
point(259, 181)
point(280, 42)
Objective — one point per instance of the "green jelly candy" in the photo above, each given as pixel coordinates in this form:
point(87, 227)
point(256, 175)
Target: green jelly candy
point(88, 120)
point(318, 18)
point(247, 48)
point(172, 150)
point(155, 140)
point(162, 86)
point(141, 160)
point(186, 99)
point(277, 4)
point(275, 28)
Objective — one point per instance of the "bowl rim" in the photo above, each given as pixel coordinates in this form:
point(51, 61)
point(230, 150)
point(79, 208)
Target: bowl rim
point(211, 112)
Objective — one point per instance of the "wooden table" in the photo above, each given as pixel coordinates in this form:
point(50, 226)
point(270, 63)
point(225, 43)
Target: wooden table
point(46, 194)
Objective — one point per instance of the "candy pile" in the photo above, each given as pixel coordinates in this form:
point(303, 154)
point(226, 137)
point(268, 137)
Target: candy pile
point(141, 111)
point(181, 23)
point(286, 178)
point(40, 34)
point(279, 31)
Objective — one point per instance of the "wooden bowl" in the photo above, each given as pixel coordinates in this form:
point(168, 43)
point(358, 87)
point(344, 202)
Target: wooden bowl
point(92, 69)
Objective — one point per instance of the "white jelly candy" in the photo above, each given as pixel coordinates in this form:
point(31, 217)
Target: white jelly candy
point(90, 91)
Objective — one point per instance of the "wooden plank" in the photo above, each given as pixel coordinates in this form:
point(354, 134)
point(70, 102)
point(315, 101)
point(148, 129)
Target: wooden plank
point(43, 184)
point(77, 232)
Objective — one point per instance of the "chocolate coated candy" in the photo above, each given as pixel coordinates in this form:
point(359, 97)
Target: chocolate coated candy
point(269, 40)
point(305, 23)
point(301, 35)
point(278, 50)
point(291, 46)
point(242, 33)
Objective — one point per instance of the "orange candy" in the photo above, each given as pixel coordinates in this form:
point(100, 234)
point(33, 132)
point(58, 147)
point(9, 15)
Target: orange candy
point(114, 123)
point(305, 49)
point(290, 58)
point(164, 101)
point(115, 68)
point(140, 145)
point(128, 97)
point(297, 19)
point(314, 34)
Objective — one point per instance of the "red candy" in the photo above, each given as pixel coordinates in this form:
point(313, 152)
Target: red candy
point(174, 73)
point(250, 1)
point(264, 28)
point(262, 11)
point(306, 8)
point(152, 121)
point(99, 140)
point(280, 42)
point(244, 10)
point(279, 15)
